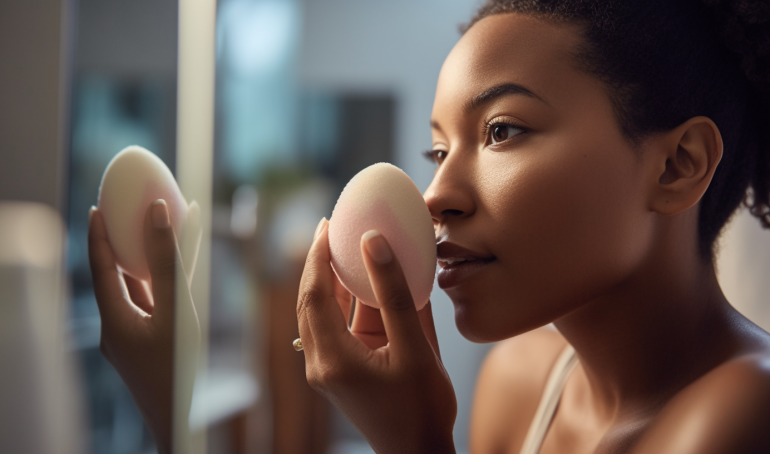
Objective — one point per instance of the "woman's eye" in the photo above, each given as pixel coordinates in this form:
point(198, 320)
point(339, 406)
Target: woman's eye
point(501, 132)
point(436, 156)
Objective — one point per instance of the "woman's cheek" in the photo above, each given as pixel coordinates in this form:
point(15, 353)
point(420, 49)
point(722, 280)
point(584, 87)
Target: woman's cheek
point(568, 221)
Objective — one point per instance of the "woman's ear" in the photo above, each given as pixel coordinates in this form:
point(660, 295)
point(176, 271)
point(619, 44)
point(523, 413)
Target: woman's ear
point(685, 159)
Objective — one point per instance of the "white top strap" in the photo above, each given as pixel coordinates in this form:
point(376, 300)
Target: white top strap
point(549, 401)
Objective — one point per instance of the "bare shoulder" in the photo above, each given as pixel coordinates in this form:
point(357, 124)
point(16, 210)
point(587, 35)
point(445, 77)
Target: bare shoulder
point(509, 387)
point(727, 410)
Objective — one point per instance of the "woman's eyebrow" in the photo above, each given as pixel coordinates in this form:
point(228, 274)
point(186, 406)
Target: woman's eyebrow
point(491, 93)
point(434, 125)
point(500, 90)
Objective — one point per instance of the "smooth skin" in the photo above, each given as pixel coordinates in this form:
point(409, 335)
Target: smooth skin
point(570, 224)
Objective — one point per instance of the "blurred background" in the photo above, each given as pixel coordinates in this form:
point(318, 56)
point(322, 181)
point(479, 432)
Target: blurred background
point(307, 93)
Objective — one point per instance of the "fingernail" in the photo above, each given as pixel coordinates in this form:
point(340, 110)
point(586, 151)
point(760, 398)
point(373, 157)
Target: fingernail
point(318, 228)
point(377, 247)
point(160, 214)
point(91, 213)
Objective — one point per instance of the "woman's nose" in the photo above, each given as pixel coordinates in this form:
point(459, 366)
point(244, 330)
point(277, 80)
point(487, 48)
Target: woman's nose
point(450, 194)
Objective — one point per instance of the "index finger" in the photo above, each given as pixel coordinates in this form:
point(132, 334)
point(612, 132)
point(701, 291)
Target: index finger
point(319, 316)
point(429, 327)
point(111, 294)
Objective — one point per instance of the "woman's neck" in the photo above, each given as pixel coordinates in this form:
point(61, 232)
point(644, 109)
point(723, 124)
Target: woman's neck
point(649, 337)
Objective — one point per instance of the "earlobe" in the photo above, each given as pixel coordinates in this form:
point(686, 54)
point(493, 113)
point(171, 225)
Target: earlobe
point(688, 156)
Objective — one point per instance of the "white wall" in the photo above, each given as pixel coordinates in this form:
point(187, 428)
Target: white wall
point(127, 38)
point(743, 267)
point(397, 46)
point(35, 49)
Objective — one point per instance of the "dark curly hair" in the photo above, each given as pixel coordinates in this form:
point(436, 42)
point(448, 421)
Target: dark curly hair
point(665, 61)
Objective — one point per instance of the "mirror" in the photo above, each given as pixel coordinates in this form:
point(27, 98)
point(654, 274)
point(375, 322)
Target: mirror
point(307, 94)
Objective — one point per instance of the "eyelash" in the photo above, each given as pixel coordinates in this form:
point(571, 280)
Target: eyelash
point(436, 156)
point(433, 156)
point(498, 121)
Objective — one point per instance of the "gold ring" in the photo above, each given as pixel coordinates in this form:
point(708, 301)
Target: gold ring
point(297, 344)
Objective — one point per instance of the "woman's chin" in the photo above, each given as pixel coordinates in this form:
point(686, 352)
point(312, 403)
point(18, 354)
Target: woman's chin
point(481, 323)
point(477, 327)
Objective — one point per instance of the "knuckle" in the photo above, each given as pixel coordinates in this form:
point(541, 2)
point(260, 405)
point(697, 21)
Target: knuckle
point(323, 378)
point(302, 302)
point(329, 377)
point(315, 379)
point(307, 299)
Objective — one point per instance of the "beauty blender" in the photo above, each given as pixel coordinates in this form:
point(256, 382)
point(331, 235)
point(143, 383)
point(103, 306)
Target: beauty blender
point(382, 197)
point(133, 180)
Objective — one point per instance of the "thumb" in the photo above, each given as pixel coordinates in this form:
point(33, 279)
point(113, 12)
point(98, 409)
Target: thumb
point(165, 263)
point(429, 328)
point(399, 315)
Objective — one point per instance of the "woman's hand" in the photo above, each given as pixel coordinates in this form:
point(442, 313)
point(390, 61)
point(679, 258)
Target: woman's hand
point(398, 395)
point(141, 322)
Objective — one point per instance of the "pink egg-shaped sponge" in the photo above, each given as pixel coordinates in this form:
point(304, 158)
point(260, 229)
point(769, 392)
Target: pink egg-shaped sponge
point(382, 197)
point(132, 181)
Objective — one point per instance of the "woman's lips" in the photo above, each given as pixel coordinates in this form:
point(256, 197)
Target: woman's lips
point(457, 263)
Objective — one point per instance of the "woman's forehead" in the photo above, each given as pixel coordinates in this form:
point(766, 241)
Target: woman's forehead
point(510, 49)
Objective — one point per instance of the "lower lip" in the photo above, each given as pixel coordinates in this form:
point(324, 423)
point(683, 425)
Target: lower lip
point(452, 275)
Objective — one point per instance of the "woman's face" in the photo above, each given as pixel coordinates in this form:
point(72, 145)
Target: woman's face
point(536, 187)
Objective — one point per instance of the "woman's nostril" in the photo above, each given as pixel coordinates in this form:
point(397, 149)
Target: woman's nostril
point(452, 212)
